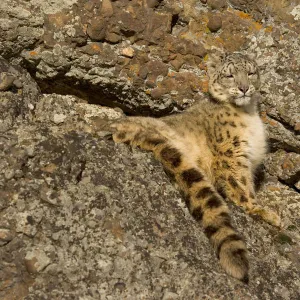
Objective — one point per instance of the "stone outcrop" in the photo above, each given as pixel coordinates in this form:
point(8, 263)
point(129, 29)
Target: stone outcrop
point(83, 218)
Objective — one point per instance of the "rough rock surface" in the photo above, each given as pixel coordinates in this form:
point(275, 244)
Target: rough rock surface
point(83, 218)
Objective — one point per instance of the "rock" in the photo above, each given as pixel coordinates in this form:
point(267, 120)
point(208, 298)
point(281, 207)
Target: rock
point(157, 92)
point(96, 29)
point(279, 137)
point(156, 68)
point(18, 84)
point(152, 3)
point(214, 23)
point(9, 174)
point(169, 296)
point(113, 37)
point(18, 105)
point(59, 118)
point(285, 166)
point(5, 236)
point(177, 63)
point(6, 81)
point(258, 9)
point(107, 8)
point(217, 4)
point(36, 261)
point(128, 52)
point(27, 224)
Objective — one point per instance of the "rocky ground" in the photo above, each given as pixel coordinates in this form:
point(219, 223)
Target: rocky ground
point(83, 218)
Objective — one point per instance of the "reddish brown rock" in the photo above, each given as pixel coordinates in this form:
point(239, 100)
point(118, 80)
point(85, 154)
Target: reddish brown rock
point(113, 38)
point(54, 23)
point(156, 68)
point(217, 4)
point(170, 84)
point(107, 8)
point(150, 82)
point(92, 4)
point(158, 24)
point(143, 72)
point(68, 24)
point(214, 23)
point(31, 265)
point(177, 63)
point(157, 92)
point(152, 3)
point(129, 25)
point(184, 47)
point(96, 29)
point(92, 48)
point(196, 49)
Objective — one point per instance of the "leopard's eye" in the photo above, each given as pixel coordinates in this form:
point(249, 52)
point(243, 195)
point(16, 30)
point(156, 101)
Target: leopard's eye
point(229, 76)
point(251, 73)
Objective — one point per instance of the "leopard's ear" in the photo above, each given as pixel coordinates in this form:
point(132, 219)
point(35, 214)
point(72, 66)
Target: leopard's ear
point(215, 59)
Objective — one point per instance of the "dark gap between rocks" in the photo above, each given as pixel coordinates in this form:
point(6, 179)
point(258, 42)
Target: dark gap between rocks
point(285, 125)
point(174, 21)
point(292, 186)
point(94, 94)
point(82, 168)
point(275, 145)
point(99, 96)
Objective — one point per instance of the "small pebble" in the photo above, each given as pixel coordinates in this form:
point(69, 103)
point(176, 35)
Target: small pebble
point(128, 52)
point(214, 23)
point(6, 81)
point(59, 118)
point(9, 174)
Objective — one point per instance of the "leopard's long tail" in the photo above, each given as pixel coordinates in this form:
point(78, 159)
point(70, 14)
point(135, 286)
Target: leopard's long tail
point(208, 208)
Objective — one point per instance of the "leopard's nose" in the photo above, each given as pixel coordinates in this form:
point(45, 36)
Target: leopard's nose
point(244, 88)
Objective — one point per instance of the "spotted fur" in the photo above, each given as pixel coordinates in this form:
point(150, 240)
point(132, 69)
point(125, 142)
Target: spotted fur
point(212, 151)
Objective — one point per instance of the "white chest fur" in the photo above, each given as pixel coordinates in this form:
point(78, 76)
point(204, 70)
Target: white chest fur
point(255, 135)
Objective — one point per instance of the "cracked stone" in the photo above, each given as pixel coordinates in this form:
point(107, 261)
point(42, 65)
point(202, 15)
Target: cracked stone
point(5, 236)
point(36, 261)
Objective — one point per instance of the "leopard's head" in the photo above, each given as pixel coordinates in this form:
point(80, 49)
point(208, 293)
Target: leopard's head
point(233, 78)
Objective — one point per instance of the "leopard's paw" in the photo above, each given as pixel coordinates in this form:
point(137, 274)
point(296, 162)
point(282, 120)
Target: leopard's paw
point(125, 131)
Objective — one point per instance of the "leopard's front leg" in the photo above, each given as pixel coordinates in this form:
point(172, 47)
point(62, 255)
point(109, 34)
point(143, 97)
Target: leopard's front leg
point(234, 180)
point(142, 132)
